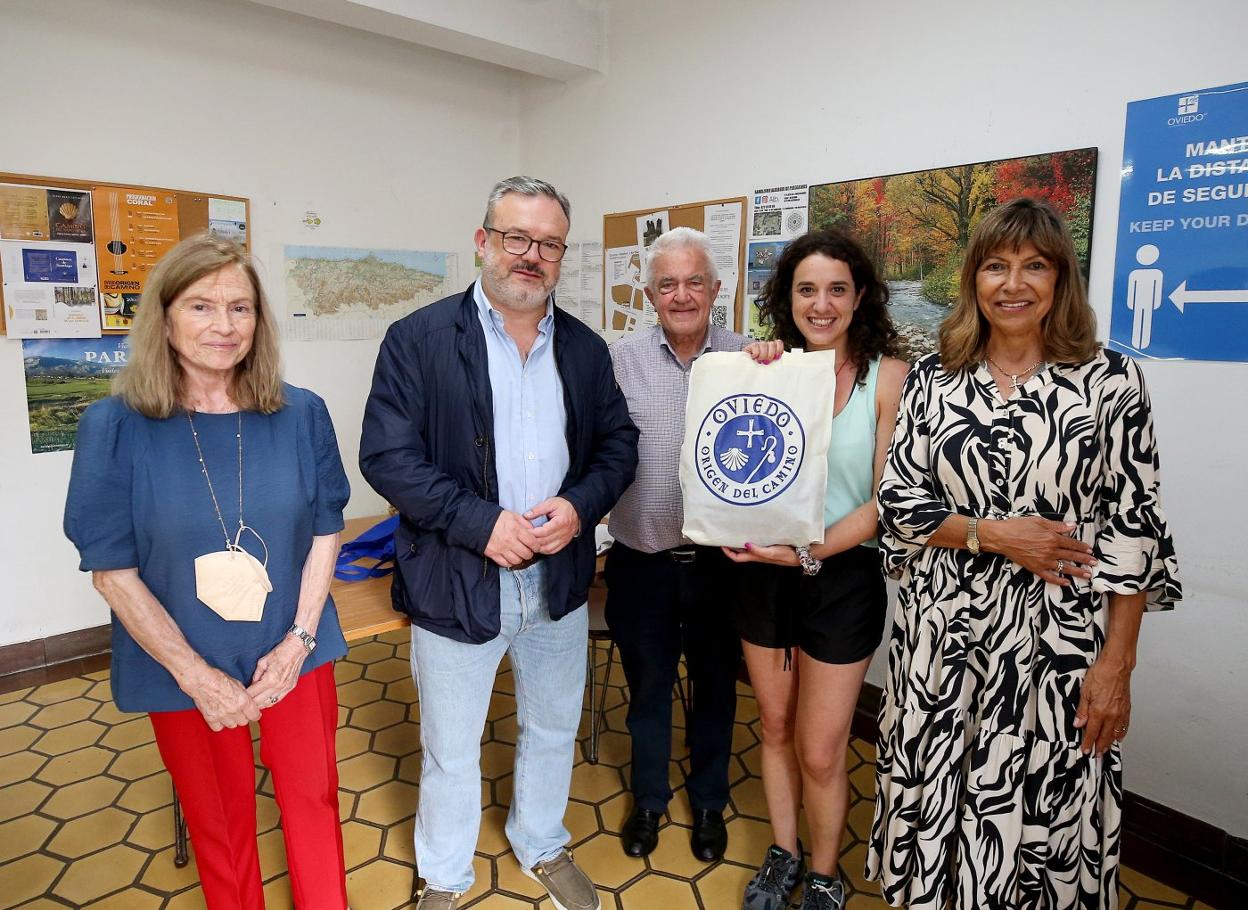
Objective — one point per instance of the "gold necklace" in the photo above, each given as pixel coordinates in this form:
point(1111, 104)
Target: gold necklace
point(1016, 379)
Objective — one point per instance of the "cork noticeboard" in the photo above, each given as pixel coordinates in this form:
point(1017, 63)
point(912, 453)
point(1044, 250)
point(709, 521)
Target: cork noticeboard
point(67, 241)
point(624, 234)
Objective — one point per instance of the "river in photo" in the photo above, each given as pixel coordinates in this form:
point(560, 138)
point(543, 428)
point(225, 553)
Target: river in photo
point(916, 317)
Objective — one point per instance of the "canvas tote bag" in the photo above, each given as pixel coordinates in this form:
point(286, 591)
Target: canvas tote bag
point(754, 464)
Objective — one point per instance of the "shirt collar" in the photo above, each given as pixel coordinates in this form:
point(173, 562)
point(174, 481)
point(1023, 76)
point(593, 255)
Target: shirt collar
point(493, 317)
point(661, 338)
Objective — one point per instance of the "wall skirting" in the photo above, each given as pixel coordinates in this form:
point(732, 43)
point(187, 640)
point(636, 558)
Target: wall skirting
point(57, 649)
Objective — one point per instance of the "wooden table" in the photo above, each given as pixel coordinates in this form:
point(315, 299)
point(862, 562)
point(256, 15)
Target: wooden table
point(364, 607)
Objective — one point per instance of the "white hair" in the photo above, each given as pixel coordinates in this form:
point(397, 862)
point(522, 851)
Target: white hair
point(681, 238)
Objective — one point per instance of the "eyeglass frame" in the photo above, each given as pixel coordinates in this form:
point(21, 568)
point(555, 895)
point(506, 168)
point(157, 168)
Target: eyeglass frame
point(563, 247)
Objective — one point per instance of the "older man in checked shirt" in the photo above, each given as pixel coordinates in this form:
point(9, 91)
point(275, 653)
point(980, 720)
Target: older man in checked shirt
point(665, 595)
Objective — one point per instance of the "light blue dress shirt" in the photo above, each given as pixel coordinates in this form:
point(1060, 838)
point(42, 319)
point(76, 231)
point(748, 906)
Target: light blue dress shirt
point(530, 439)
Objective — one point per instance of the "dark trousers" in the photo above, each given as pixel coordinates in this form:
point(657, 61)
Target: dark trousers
point(657, 607)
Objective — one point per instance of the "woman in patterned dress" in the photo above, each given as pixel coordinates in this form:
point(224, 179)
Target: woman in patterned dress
point(1020, 510)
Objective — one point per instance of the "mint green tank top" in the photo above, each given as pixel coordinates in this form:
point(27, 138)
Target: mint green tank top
point(851, 454)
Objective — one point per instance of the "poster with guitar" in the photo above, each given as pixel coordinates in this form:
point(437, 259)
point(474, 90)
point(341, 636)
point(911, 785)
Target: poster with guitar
point(134, 228)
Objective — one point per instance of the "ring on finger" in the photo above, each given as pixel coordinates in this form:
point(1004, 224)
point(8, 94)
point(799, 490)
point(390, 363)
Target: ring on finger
point(272, 699)
point(1061, 567)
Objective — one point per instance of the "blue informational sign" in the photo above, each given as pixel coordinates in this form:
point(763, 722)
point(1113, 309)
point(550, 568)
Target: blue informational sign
point(50, 265)
point(1181, 267)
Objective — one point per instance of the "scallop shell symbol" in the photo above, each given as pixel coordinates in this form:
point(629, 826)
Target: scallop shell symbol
point(734, 459)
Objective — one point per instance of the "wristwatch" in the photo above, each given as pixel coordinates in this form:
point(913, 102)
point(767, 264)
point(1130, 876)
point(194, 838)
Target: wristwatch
point(972, 537)
point(810, 565)
point(306, 638)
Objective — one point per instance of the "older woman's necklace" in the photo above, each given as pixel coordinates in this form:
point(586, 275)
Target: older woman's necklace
point(231, 582)
point(1016, 379)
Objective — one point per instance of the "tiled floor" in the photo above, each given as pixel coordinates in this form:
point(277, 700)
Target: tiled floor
point(86, 815)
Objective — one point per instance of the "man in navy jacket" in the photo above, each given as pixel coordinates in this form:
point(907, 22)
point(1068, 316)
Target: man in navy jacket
point(496, 428)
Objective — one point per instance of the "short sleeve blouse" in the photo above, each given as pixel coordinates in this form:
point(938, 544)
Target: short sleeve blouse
point(137, 499)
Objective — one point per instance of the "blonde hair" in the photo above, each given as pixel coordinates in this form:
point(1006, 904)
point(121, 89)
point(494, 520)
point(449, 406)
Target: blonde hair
point(152, 380)
point(1069, 329)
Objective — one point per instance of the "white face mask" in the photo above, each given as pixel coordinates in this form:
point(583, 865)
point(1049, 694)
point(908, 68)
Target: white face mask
point(233, 583)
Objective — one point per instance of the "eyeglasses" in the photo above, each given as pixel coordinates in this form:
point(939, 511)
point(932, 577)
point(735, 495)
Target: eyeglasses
point(518, 244)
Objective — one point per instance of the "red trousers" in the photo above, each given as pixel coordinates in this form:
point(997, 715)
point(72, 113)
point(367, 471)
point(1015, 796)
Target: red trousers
point(215, 776)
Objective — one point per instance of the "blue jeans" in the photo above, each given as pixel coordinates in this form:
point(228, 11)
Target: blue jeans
point(454, 681)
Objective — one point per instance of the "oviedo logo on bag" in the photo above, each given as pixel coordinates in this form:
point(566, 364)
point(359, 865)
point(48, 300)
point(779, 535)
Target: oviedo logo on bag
point(749, 448)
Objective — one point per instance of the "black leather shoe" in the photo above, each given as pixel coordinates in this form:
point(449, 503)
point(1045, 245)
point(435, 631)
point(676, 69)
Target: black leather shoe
point(640, 834)
point(710, 837)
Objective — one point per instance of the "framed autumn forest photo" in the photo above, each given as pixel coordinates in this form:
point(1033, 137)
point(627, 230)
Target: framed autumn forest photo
point(915, 225)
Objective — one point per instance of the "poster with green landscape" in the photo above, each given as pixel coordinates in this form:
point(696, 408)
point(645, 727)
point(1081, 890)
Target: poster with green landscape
point(63, 376)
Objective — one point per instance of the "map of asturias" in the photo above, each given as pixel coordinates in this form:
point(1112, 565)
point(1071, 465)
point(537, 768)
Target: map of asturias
point(354, 283)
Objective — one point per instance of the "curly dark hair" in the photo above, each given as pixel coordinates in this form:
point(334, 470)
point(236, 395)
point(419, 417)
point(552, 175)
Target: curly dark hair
point(871, 332)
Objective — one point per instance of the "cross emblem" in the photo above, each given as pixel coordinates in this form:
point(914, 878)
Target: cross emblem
point(750, 434)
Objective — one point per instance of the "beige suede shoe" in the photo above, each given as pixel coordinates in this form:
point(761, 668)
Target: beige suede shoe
point(569, 888)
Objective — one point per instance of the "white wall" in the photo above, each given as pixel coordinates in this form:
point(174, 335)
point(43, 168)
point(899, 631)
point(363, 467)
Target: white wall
point(711, 98)
point(393, 145)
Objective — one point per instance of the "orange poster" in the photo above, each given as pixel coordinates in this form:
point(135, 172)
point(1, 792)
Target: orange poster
point(133, 229)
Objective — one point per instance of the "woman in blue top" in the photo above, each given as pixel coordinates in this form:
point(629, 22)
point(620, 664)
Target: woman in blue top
point(826, 601)
point(206, 499)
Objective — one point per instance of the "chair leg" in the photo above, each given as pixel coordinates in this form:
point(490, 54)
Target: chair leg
point(180, 857)
point(598, 712)
point(591, 673)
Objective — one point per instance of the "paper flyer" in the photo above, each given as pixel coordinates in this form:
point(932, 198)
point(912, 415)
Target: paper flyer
point(134, 227)
point(24, 212)
point(591, 284)
point(227, 218)
point(580, 283)
point(627, 308)
point(778, 214)
point(723, 229)
point(48, 263)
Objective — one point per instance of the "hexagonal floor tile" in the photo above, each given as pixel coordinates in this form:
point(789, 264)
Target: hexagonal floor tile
point(381, 884)
point(137, 763)
point(62, 713)
point(60, 691)
point(70, 738)
point(388, 803)
point(27, 878)
point(20, 766)
point(655, 891)
point(99, 874)
point(378, 715)
point(91, 832)
point(365, 771)
point(83, 797)
point(24, 835)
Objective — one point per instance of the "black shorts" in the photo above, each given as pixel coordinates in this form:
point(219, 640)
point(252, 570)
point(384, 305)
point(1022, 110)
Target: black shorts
point(836, 616)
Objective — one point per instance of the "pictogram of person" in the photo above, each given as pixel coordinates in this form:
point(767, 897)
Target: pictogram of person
point(1144, 295)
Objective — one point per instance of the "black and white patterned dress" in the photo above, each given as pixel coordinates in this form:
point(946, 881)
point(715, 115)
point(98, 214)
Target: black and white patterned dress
point(984, 798)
